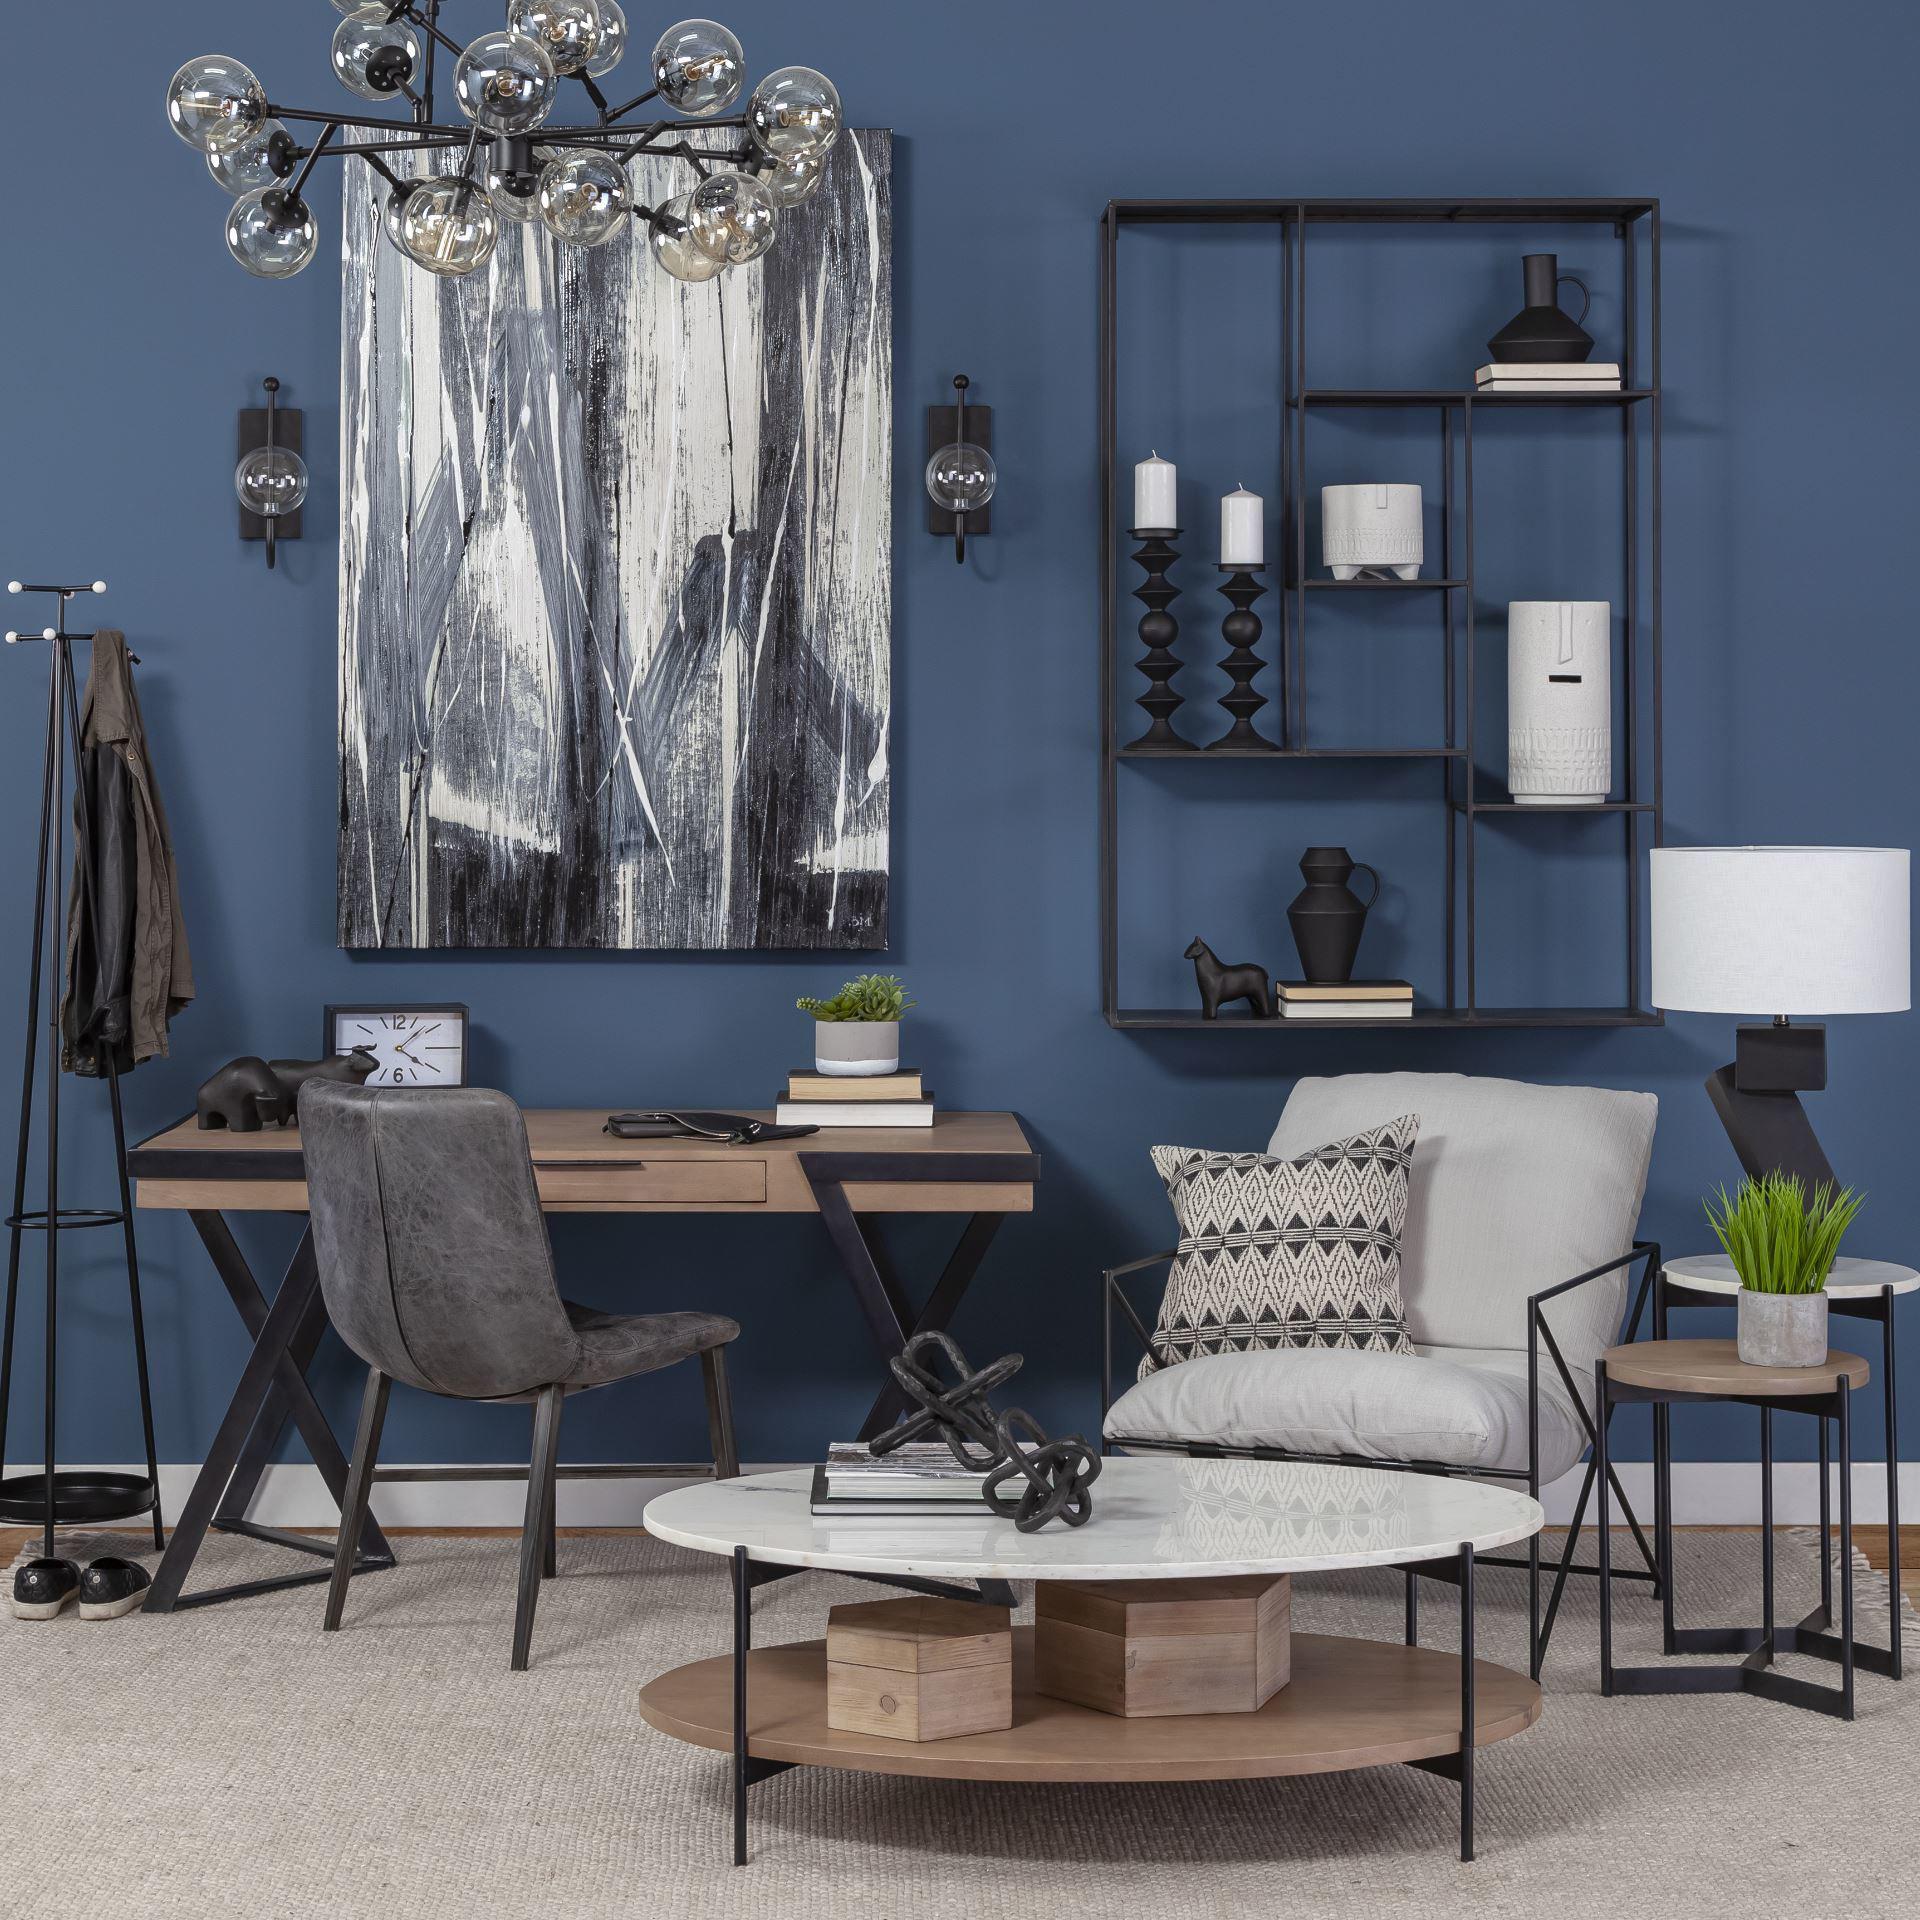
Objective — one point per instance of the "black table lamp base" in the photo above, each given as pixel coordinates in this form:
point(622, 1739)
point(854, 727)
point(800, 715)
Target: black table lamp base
point(1758, 1100)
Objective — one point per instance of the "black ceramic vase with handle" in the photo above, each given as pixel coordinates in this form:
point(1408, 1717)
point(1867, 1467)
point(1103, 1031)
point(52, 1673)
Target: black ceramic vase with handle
point(1328, 917)
point(1541, 332)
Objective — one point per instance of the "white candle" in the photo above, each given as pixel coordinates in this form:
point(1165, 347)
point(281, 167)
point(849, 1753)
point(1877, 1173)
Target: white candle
point(1153, 493)
point(1242, 537)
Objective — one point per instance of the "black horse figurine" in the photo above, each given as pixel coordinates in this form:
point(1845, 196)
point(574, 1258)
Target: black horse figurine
point(1220, 984)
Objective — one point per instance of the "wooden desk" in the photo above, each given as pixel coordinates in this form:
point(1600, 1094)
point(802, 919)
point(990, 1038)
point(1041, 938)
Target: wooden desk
point(977, 1164)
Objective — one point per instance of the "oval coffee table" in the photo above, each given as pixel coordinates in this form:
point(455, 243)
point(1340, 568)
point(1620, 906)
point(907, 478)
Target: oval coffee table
point(1350, 1703)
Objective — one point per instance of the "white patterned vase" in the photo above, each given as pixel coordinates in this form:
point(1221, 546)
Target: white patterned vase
point(1376, 525)
point(1559, 701)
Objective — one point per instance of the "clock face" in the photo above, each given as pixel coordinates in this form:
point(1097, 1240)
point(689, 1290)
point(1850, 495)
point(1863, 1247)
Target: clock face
point(415, 1046)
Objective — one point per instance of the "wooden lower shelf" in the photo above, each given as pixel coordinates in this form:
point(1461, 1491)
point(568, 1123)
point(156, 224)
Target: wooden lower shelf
point(1350, 1703)
point(1191, 1019)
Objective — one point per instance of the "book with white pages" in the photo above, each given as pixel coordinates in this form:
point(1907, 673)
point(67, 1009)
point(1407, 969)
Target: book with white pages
point(854, 1113)
point(1604, 370)
point(1346, 1010)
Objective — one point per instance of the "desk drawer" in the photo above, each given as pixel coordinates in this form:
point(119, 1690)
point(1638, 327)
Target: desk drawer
point(729, 1181)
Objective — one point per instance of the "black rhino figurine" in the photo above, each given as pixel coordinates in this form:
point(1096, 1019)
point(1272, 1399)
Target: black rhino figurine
point(249, 1092)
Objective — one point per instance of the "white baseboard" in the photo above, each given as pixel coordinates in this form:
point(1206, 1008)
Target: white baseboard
point(1705, 1493)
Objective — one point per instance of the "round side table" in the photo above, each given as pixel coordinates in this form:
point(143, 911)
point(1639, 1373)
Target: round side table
point(1663, 1373)
point(1856, 1290)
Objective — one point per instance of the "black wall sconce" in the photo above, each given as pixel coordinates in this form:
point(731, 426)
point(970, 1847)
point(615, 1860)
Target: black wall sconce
point(961, 475)
point(271, 479)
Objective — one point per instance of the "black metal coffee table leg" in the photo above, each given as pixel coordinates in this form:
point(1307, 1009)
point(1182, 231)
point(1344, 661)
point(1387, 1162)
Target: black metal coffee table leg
point(747, 1771)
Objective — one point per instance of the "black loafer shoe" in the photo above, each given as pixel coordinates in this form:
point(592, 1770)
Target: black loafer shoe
point(110, 1587)
point(42, 1587)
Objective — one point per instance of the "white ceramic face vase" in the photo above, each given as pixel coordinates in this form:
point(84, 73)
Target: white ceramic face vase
point(1559, 701)
point(1372, 526)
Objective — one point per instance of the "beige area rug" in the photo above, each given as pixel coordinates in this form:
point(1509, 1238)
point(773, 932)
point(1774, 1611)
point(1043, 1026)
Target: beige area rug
point(234, 1761)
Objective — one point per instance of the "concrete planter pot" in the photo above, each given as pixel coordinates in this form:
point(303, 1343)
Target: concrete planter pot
point(849, 1049)
point(1782, 1329)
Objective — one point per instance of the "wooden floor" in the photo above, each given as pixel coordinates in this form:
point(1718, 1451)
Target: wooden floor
point(1872, 1541)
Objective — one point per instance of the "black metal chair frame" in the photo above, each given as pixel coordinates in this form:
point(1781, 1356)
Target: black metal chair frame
point(1114, 1298)
point(538, 1554)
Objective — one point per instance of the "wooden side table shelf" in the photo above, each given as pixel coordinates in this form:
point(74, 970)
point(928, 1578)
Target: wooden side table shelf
point(1663, 1373)
point(1856, 1290)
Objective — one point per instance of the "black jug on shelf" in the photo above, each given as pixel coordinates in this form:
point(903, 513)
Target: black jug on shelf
point(1328, 917)
point(1541, 331)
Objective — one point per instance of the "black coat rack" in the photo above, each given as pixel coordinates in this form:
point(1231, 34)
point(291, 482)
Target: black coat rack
point(50, 1498)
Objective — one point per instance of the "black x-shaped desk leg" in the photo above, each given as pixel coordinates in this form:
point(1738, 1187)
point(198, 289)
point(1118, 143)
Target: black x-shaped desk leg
point(882, 1300)
point(273, 1390)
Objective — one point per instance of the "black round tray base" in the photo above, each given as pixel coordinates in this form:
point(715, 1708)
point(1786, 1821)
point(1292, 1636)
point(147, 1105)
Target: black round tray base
point(81, 1498)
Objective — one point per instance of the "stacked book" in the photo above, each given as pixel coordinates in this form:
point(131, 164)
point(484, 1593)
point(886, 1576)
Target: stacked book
point(1350, 1000)
point(848, 1100)
point(919, 1481)
point(1544, 376)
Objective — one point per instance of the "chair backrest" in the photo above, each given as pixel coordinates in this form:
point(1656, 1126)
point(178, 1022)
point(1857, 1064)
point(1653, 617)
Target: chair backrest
point(432, 1248)
point(1513, 1188)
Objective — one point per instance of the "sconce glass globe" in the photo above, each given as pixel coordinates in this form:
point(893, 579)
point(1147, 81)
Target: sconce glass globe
point(374, 56)
point(794, 111)
point(263, 159)
point(215, 102)
point(449, 226)
point(271, 234)
point(794, 179)
point(506, 83)
point(272, 482)
point(614, 35)
point(568, 29)
point(961, 477)
point(585, 197)
point(674, 246)
point(699, 68)
point(732, 216)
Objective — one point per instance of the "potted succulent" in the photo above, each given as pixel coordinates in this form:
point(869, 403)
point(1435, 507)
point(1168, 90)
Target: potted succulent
point(858, 1031)
point(1782, 1241)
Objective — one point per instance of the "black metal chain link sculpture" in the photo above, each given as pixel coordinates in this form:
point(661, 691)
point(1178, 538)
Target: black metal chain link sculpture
point(1008, 1447)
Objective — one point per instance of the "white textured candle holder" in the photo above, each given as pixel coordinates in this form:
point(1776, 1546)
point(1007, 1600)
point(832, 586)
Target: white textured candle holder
point(1559, 701)
point(1376, 525)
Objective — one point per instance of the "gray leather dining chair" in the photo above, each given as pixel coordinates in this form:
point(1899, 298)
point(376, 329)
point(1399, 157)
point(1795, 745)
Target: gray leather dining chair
point(437, 1271)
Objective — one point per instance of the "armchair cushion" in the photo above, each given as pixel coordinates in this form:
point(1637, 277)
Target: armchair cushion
point(1445, 1406)
point(1515, 1187)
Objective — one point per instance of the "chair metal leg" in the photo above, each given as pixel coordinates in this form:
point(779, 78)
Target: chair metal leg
point(726, 1455)
point(533, 1532)
point(550, 1547)
point(353, 1511)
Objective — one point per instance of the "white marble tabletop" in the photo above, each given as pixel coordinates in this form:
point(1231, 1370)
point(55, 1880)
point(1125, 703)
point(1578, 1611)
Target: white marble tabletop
point(1850, 1279)
point(1153, 1519)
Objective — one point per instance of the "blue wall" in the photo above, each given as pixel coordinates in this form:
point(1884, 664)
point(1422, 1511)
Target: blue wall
point(131, 339)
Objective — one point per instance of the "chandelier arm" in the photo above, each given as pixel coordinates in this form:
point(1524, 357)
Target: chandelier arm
point(372, 158)
point(312, 160)
point(363, 120)
point(594, 94)
point(609, 115)
point(431, 27)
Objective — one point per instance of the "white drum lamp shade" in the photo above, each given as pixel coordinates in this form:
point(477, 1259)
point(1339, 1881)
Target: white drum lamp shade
point(1796, 931)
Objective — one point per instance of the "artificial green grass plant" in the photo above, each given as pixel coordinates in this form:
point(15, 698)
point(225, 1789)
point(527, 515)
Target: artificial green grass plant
point(872, 996)
point(1779, 1239)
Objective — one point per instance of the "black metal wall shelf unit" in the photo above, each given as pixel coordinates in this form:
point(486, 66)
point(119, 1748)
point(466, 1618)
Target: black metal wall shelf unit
point(1462, 790)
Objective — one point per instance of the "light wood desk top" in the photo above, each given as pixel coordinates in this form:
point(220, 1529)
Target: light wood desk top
point(582, 1169)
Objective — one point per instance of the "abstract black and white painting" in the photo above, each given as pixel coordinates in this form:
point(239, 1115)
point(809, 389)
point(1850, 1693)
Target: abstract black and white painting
point(616, 591)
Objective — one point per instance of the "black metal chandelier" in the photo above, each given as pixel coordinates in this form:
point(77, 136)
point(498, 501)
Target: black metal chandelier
point(513, 165)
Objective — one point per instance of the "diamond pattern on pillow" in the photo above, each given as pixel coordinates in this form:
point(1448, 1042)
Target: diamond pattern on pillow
point(1287, 1253)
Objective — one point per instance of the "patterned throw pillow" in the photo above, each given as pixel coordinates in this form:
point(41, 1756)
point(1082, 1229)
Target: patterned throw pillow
point(1287, 1253)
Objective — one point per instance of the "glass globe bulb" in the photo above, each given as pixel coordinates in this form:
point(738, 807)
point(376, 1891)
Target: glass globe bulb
point(515, 196)
point(794, 179)
point(374, 56)
point(214, 102)
point(732, 216)
point(394, 212)
point(961, 477)
point(675, 247)
point(585, 197)
point(568, 29)
point(793, 111)
point(506, 83)
point(270, 233)
point(449, 226)
point(614, 34)
point(263, 159)
point(272, 482)
point(699, 68)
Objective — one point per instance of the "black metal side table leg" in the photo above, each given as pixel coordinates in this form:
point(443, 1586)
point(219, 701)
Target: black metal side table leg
point(1845, 1398)
point(742, 1644)
point(1896, 1636)
point(1600, 1408)
point(1469, 1725)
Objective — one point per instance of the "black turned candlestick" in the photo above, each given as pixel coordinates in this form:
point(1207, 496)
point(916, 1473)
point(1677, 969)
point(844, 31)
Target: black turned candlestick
point(1158, 631)
point(1241, 629)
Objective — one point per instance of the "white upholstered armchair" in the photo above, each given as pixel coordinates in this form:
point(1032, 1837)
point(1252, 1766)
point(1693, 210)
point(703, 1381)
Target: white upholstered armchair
point(1515, 1267)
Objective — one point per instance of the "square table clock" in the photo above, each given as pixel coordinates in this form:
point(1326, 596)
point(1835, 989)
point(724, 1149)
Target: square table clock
point(416, 1046)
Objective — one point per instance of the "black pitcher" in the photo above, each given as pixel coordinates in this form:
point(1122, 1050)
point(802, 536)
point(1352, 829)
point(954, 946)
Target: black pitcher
point(1328, 917)
point(1541, 332)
